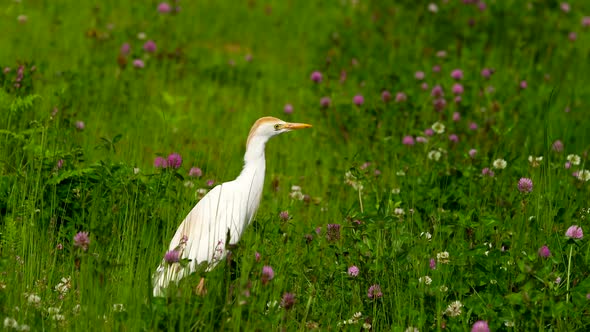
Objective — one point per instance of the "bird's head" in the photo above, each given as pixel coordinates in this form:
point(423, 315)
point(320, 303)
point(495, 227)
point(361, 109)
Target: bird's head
point(268, 127)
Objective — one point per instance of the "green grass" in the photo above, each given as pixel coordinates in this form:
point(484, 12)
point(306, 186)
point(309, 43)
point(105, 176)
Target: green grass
point(198, 96)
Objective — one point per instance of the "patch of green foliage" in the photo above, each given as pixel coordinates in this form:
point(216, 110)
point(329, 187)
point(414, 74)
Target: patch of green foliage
point(83, 119)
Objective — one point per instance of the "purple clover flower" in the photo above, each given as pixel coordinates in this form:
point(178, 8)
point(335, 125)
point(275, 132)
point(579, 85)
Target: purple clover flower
point(316, 76)
point(160, 162)
point(488, 172)
point(125, 49)
point(572, 36)
point(544, 252)
point(400, 97)
point(164, 8)
point(284, 215)
point(288, 301)
point(138, 63)
point(375, 292)
point(353, 271)
point(81, 240)
point(525, 185)
point(150, 46)
point(574, 232)
point(172, 256)
point(385, 96)
point(288, 109)
point(80, 125)
point(557, 146)
point(437, 91)
point(358, 100)
point(333, 233)
point(195, 172)
point(457, 74)
point(174, 160)
point(408, 140)
point(267, 274)
point(480, 326)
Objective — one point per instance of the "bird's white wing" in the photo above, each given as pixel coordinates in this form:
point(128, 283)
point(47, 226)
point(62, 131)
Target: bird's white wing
point(202, 236)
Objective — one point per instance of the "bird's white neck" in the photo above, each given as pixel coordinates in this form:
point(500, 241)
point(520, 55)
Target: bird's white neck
point(255, 150)
point(251, 179)
point(254, 164)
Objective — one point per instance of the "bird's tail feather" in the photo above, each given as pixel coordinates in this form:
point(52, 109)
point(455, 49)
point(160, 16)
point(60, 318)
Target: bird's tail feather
point(165, 273)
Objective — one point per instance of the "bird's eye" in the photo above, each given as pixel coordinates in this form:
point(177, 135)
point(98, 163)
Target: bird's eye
point(277, 126)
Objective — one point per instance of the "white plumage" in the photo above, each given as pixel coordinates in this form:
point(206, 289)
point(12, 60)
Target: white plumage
point(226, 209)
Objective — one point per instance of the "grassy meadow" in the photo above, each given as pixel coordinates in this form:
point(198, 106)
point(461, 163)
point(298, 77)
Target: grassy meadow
point(444, 185)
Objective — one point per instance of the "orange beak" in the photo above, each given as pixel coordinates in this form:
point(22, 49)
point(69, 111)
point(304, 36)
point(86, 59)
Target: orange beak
point(293, 126)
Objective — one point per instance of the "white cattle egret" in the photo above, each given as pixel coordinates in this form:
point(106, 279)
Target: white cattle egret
point(223, 214)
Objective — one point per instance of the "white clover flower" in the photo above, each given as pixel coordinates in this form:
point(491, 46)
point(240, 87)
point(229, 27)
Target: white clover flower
point(10, 323)
point(296, 193)
point(454, 309)
point(443, 257)
point(53, 310)
point(401, 172)
point(432, 7)
point(141, 36)
point(509, 324)
point(395, 191)
point(398, 211)
point(34, 299)
point(76, 309)
point(63, 286)
point(427, 235)
point(499, 163)
point(443, 289)
point(574, 159)
point(201, 192)
point(411, 329)
point(352, 180)
point(438, 127)
point(357, 315)
point(535, 161)
point(118, 307)
point(434, 155)
point(24, 327)
point(426, 280)
point(58, 317)
point(584, 175)
point(366, 326)
point(189, 184)
point(136, 170)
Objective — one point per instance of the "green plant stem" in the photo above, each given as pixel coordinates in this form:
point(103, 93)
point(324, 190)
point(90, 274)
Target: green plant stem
point(569, 266)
